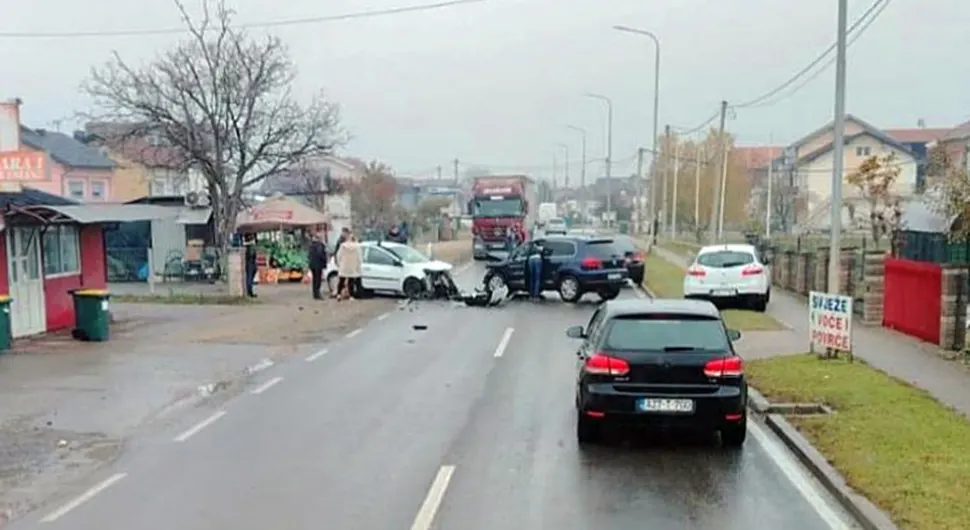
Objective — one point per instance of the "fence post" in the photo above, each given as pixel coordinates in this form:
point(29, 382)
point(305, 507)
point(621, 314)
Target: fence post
point(874, 279)
point(953, 308)
point(821, 269)
point(235, 272)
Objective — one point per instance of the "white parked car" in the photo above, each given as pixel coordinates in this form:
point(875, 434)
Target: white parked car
point(555, 226)
point(392, 268)
point(729, 273)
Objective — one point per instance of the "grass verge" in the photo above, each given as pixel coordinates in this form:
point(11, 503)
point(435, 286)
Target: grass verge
point(183, 299)
point(681, 248)
point(894, 443)
point(666, 280)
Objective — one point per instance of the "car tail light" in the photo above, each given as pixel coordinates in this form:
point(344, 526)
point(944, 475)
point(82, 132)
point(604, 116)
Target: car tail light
point(725, 367)
point(696, 272)
point(589, 264)
point(639, 256)
point(601, 364)
point(752, 270)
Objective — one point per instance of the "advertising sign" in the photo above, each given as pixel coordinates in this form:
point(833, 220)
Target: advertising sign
point(830, 320)
point(23, 166)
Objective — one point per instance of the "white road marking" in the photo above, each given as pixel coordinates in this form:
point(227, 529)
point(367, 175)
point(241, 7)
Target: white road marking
point(354, 333)
point(317, 355)
point(267, 385)
point(798, 477)
point(199, 426)
point(83, 498)
point(425, 517)
point(382, 317)
point(504, 343)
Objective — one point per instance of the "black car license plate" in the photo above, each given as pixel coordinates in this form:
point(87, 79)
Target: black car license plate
point(666, 406)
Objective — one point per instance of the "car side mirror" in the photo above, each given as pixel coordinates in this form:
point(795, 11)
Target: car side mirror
point(398, 263)
point(734, 335)
point(576, 332)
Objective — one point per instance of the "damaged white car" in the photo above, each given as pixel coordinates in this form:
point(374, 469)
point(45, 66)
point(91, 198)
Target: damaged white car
point(389, 267)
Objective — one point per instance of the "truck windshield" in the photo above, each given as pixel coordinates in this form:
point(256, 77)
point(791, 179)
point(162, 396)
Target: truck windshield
point(507, 207)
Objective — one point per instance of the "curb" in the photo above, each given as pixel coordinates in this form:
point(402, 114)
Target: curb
point(867, 514)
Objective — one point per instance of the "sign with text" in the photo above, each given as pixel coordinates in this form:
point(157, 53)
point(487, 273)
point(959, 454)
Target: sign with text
point(830, 320)
point(23, 166)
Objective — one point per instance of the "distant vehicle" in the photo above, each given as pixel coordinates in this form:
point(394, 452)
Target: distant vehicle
point(573, 267)
point(555, 226)
point(664, 363)
point(499, 203)
point(581, 232)
point(547, 211)
point(635, 258)
point(729, 274)
point(392, 268)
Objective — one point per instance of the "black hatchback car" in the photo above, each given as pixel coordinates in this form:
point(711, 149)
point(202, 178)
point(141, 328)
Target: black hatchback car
point(664, 363)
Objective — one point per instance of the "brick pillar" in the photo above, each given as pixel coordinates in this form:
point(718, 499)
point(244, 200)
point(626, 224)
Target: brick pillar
point(787, 267)
point(802, 272)
point(821, 269)
point(234, 272)
point(874, 282)
point(953, 307)
point(847, 257)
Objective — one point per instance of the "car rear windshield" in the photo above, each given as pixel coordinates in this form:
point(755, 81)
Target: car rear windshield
point(724, 259)
point(625, 244)
point(671, 332)
point(604, 249)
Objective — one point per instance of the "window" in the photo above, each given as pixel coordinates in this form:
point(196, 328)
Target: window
point(863, 151)
point(521, 251)
point(604, 250)
point(61, 250)
point(376, 256)
point(560, 248)
point(725, 259)
point(407, 254)
point(657, 332)
point(98, 190)
point(75, 189)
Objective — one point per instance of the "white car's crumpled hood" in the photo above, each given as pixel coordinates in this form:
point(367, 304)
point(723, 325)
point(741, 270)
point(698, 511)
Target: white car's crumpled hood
point(435, 265)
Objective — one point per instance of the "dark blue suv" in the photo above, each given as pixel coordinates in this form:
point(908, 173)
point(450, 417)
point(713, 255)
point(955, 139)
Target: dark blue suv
point(572, 266)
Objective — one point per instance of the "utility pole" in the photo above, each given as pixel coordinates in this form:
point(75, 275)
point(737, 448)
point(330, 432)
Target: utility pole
point(456, 171)
point(555, 169)
point(663, 202)
point(639, 204)
point(673, 197)
point(724, 172)
point(699, 155)
point(712, 228)
point(835, 241)
point(438, 170)
point(771, 177)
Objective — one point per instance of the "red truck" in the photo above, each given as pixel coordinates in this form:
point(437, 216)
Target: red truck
point(499, 203)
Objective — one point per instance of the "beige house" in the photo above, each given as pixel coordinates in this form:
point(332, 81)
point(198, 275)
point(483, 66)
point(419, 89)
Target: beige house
point(812, 164)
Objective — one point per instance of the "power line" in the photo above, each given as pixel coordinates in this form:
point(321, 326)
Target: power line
point(271, 24)
point(824, 67)
point(814, 63)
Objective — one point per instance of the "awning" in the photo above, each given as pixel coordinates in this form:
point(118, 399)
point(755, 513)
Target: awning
point(193, 216)
point(276, 213)
point(99, 213)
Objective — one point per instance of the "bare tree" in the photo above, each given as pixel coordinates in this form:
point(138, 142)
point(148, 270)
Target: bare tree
point(223, 98)
point(875, 181)
point(372, 198)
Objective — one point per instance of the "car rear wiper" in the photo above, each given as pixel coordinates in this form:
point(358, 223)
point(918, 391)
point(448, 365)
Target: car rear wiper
point(680, 348)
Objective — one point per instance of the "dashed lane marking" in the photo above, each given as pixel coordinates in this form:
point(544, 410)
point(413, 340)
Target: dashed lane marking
point(267, 385)
point(317, 355)
point(504, 343)
point(199, 426)
point(83, 498)
point(425, 517)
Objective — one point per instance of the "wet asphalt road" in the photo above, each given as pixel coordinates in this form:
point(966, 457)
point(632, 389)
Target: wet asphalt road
point(365, 436)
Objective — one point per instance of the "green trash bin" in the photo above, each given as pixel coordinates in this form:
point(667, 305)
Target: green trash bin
point(6, 334)
point(91, 315)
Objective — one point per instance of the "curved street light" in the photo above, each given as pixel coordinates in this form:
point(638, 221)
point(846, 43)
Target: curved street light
point(656, 111)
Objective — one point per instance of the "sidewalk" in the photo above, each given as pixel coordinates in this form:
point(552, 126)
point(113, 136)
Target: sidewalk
point(896, 354)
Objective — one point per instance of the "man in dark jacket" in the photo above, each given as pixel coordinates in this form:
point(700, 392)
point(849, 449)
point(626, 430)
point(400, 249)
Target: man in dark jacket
point(249, 266)
point(318, 262)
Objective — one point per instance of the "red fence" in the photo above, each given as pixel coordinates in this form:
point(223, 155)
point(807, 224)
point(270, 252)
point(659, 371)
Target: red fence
point(912, 298)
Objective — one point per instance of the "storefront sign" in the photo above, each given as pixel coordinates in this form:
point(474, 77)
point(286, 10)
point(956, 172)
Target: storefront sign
point(830, 320)
point(23, 166)
point(263, 215)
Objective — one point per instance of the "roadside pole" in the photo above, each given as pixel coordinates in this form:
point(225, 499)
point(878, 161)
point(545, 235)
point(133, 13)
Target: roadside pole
point(673, 197)
point(663, 202)
point(771, 176)
point(715, 188)
point(724, 172)
point(698, 156)
point(640, 206)
point(838, 141)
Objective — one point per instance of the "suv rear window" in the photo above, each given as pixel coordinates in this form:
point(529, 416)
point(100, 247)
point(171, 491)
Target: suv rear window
point(656, 332)
point(625, 244)
point(604, 249)
point(724, 259)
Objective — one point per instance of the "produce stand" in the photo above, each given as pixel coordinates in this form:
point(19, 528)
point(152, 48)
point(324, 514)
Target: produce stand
point(283, 226)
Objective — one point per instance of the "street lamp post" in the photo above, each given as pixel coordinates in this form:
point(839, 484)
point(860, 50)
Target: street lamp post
point(656, 112)
point(609, 154)
point(582, 171)
point(565, 166)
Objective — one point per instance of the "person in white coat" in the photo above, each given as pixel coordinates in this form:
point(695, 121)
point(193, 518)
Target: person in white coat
point(349, 268)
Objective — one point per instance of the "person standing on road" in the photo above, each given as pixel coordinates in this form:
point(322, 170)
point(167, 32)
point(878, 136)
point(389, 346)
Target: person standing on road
point(249, 270)
point(349, 267)
point(534, 264)
point(318, 262)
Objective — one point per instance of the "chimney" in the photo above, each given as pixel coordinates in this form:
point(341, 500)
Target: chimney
point(10, 125)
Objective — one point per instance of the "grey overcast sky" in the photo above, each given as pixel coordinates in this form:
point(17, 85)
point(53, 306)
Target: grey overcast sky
point(493, 83)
